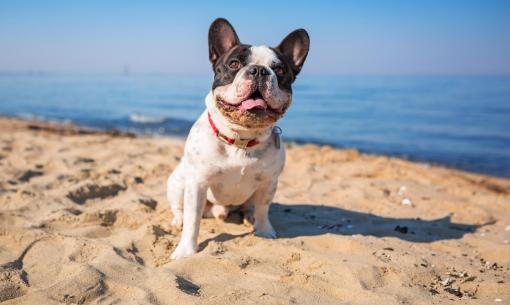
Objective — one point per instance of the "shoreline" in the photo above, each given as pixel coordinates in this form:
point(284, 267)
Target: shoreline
point(291, 142)
point(84, 219)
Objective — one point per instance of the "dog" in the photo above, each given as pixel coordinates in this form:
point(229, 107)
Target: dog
point(233, 155)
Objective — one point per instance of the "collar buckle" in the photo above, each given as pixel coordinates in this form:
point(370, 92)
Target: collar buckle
point(242, 143)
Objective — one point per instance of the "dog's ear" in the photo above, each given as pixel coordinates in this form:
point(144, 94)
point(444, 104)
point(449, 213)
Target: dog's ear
point(295, 47)
point(222, 37)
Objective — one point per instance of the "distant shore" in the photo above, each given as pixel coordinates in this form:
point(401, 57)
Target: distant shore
point(84, 219)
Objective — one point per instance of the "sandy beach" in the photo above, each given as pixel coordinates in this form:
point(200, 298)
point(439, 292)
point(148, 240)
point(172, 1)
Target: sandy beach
point(84, 220)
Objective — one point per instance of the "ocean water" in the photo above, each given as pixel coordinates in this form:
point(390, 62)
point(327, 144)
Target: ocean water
point(462, 122)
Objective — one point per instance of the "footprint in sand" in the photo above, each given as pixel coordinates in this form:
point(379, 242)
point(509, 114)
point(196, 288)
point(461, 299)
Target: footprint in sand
point(94, 191)
point(187, 286)
point(13, 278)
point(84, 160)
point(86, 286)
point(12, 284)
point(105, 218)
point(131, 254)
point(148, 202)
point(29, 174)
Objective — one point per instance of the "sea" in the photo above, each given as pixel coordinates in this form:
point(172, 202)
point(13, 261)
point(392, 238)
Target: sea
point(457, 121)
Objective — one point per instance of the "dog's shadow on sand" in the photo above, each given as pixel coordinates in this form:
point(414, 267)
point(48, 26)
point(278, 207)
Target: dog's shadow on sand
point(295, 220)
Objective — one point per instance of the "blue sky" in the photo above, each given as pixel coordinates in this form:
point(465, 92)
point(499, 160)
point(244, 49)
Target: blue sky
point(348, 37)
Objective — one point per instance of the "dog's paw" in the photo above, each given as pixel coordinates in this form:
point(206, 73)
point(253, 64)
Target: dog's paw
point(182, 251)
point(267, 232)
point(248, 220)
point(220, 212)
point(177, 221)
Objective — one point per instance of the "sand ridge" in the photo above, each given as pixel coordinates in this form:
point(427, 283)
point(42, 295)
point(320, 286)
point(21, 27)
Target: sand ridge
point(84, 220)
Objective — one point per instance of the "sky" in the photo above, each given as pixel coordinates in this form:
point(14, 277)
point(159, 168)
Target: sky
point(383, 37)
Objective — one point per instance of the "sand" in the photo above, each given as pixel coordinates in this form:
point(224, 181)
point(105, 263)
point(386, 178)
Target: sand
point(84, 220)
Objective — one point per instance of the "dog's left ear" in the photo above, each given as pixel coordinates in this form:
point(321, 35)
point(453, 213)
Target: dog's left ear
point(295, 46)
point(222, 37)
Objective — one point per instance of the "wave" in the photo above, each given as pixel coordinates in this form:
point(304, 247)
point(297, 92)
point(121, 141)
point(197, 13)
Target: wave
point(146, 119)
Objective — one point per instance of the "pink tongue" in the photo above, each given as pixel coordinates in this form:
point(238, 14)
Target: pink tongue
point(253, 103)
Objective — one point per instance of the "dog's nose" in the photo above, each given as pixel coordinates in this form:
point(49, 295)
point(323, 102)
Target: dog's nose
point(257, 70)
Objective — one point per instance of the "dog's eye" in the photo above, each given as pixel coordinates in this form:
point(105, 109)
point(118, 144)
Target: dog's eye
point(234, 64)
point(279, 71)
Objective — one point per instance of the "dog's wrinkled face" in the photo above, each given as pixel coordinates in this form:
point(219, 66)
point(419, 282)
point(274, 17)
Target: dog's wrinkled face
point(252, 84)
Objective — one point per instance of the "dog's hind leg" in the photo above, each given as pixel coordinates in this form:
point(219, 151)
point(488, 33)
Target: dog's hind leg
point(219, 212)
point(247, 211)
point(175, 195)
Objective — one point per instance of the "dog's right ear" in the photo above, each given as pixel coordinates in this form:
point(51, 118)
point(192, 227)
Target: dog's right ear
point(222, 37)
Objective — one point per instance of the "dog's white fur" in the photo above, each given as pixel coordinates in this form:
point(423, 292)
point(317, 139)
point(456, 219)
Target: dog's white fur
point(263, 55)
point(225, 174)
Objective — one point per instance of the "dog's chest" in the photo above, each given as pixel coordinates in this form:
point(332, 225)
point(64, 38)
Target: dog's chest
point(241, 175)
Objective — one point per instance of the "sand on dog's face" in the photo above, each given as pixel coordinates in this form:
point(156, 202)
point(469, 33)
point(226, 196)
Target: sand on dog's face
point(83, 219)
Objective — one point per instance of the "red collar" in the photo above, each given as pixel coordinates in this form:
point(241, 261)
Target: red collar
point(242, 143)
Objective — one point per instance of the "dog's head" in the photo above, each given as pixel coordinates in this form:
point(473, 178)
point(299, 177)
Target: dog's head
point(252, 84)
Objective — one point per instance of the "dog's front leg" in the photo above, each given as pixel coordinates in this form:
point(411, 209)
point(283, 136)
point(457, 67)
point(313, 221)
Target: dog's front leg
point(194, 202)
point(262, 199)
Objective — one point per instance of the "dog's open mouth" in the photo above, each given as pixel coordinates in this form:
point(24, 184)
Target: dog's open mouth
point(255, 104)
point(255, 101)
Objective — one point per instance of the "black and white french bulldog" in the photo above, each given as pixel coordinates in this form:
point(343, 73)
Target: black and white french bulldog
point(232, 155)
